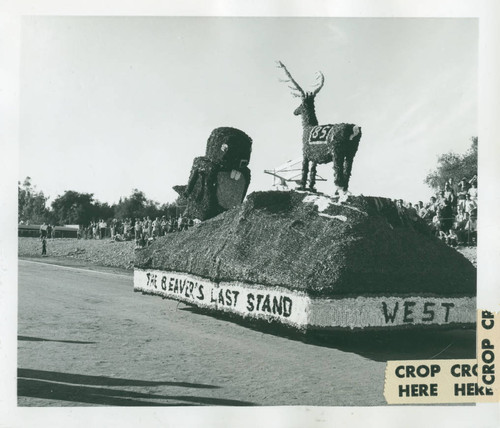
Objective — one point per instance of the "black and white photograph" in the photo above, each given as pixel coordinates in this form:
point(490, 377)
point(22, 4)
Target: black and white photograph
point(247, 213)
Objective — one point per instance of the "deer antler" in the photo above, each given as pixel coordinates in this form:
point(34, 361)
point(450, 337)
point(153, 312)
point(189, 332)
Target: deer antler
point(321, 78)
point(295, 86)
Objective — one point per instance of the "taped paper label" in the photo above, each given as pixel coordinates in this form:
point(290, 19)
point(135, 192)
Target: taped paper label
point(450, 381)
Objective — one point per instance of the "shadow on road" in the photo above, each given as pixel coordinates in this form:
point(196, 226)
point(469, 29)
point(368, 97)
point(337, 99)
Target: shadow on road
point(376, 345)
point(400, 345)
point(102, 380)
point(39, 339)
point(74, 388)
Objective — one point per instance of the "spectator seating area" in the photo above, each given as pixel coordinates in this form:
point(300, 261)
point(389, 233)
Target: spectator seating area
point(451, 213)
point(143, 231)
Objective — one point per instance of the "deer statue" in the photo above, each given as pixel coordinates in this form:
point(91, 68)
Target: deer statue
point(323, 143)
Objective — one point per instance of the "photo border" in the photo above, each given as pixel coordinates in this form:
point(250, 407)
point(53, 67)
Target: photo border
point(488, 249)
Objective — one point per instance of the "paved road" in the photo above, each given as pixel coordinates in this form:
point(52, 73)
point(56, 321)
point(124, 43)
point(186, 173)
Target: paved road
point(85, 338)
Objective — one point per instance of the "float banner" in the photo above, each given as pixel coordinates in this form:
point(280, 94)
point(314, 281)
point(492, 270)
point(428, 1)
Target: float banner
point(254, 301)
point(387, 312)
point(299, 310)
point(450, 381)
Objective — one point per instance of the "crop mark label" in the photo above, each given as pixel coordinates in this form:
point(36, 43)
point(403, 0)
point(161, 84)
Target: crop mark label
point(451, 380)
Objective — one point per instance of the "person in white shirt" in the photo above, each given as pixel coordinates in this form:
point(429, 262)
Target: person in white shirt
point(469, 204)
point(473, 191)
point(102, 229)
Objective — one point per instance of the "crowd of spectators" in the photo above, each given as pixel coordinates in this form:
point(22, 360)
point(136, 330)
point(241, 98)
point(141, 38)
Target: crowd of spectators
point(46, 230)
point(451, 213)
point(143, 231)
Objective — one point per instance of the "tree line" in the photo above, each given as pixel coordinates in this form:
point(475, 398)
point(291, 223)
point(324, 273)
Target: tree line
point(82, 208)
point(454, 166)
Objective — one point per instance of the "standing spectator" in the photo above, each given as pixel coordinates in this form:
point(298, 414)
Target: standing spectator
point(113, 228)
point(138, 232)
point(49, 231)
point(130, 229)
point(440, 198)
point(469, 204)
point(43, 230)
point(163, 226)
point(125, 228)
point(150, 227)
point(411, 212)
point(463, 188)
point(421, 209)
point(145, 228)
point(102, 229)
point(460, 218)
point(156, 227)
point(449, 195)
point(471, 227)
point(453, 185)
point(44, 246)
point(436, 222)
point(430, 210)
point(473, 189)
point(446, 216)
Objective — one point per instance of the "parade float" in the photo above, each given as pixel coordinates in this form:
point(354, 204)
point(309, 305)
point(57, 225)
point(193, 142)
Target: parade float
point(309, 261)
point(303, 259)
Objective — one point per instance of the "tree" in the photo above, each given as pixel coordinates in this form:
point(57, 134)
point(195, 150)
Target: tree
point(169, 209)
point(103, 210)
point(31, 203)
point(454, 166)
point(74, 208)
point(136, 205)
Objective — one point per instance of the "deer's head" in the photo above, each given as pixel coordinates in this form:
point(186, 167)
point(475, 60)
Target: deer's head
point(306, 107)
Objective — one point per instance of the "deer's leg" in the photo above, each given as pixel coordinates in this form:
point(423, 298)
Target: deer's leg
point(338, 172)
point(305, 170)
point(312, 176)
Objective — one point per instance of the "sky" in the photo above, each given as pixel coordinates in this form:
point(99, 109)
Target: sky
point(109, 104)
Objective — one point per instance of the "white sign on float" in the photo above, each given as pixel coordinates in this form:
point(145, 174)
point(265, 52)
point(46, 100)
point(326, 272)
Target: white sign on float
point(259, 302)
point(299, 310)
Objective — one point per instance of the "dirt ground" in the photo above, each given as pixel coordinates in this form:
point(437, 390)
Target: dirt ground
point(92, 251)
